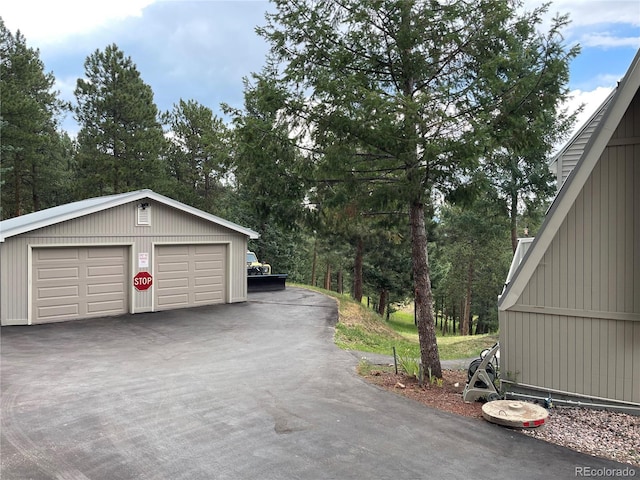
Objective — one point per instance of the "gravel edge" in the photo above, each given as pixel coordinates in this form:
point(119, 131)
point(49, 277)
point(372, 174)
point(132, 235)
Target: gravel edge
point(601, 433)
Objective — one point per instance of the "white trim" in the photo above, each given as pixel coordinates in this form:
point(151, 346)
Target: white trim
point(29, 284)
point(132, 266)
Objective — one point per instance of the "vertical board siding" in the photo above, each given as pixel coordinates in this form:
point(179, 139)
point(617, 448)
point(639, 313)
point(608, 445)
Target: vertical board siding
point(595, 357)
point(117, 226)
point(13, 284)
point(636, 230)
point(592, 263)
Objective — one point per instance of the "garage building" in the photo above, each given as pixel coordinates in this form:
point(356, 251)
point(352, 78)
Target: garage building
point(127, 253)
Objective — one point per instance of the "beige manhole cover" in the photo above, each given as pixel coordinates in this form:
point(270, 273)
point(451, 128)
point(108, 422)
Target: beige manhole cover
point(514, 414)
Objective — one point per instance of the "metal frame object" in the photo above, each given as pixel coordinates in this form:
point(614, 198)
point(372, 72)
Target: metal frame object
point(481, 385)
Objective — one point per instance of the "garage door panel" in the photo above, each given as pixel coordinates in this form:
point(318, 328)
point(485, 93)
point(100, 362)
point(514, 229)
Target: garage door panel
point(105, 307)
point(168, 283)
point(174, 301)
point(207, 298)
point(105, 288)
point(215, 280)
point(58, 273)
point(79, 282)
point(209, 266)
point(56, 313)
point(200, 282)
point(208, 249)
point(105, 271)
point(173, 266)
point(52, 254)
point(106, 253)
point(66, 291)
point(168, 250)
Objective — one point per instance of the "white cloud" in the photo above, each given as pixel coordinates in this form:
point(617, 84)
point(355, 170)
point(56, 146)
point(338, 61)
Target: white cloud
point(591, 101)
point(593, 12)
point(66, 86)
point(606, 40)
point(51, 22)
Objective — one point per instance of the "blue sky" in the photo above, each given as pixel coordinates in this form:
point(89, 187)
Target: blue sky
point(201, 49)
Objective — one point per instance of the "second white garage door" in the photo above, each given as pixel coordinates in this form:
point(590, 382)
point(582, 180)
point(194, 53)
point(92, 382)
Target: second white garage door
point(189, 275)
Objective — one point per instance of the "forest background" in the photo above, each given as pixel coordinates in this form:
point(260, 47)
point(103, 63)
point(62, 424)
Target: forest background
point(393, 150)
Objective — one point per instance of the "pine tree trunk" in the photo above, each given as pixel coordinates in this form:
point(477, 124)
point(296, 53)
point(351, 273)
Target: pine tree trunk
point(384, 294)
point(514, 222)
point(35, 198)
point(327, 278)
point(16, 191)
point(357, 271)
point(466, 314)
point(315, 260)
point(422, 289)
point(453, 320)
point(481, 326)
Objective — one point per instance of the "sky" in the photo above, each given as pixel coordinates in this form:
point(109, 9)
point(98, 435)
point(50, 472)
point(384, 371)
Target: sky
point(202, 49)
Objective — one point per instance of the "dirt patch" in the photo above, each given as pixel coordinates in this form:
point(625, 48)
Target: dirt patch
point(445, 396)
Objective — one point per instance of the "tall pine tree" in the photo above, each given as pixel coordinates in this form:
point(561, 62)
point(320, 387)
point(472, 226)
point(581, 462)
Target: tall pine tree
point(530, 83)
point(199, 153)
point(33, 166)
point(267, 168)
point(120, 142)
point(405, 80)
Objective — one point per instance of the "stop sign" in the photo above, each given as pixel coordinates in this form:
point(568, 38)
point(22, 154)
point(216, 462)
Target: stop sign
point(142, 280)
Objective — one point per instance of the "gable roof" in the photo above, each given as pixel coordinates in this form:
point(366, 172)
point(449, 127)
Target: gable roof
point(69, 211)
point(566, 159)
point(627, 89)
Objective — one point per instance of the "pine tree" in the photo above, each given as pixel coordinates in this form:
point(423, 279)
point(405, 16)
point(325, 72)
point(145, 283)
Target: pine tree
point(526, 122)
point(30, 170)
point(120, 142)
point(199, 153)
point(406, 81)
point(269, 172)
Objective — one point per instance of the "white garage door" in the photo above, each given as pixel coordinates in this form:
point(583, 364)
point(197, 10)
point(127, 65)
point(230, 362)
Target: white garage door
point(79, 282)
point(189, 275)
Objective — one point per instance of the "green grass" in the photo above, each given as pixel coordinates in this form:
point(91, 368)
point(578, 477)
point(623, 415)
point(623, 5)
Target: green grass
point(470, 346)
point(355, 337)
point(403, 323)
point(359, 328)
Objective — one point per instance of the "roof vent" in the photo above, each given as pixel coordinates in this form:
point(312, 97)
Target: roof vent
point(143, 214)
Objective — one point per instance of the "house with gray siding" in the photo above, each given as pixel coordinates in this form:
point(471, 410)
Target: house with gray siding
point(126, 253)
point(570, 313)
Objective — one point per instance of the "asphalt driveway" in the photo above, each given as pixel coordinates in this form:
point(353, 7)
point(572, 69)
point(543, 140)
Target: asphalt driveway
point(244, 391)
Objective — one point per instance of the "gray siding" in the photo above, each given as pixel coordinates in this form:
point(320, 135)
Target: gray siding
point(592, 263)
point(588, 356)
point(117, 226)
point(576, 325)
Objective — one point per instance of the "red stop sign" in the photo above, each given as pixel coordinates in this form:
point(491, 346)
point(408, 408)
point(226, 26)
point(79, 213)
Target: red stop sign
point(142, 280)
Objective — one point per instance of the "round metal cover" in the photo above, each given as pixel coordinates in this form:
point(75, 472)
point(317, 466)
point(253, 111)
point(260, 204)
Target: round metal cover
point(510, 413)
